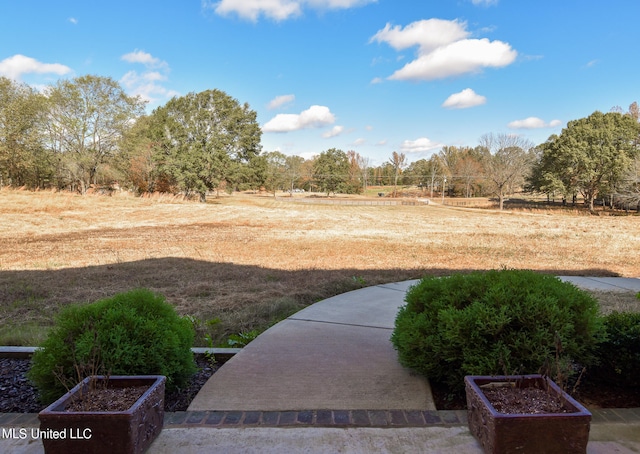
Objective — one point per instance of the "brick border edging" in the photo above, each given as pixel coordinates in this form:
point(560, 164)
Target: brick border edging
point(326, 418)
point(315, 418)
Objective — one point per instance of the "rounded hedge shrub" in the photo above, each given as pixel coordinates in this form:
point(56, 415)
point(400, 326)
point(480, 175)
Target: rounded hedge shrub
point(132, 333)
point(619, 355)
point(494, 323)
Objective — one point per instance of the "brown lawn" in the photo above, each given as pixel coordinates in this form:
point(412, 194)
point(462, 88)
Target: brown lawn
point(249, 260)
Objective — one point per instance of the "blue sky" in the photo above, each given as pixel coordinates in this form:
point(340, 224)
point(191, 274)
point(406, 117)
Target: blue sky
point(364, 75)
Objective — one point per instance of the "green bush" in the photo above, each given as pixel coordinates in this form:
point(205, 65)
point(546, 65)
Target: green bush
point(132, 333)
point(494, 323)
point(619, 355)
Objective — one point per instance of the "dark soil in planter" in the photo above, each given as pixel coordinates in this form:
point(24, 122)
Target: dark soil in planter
point(513, 400)
point(17, 395)
point(590, 394)
point(107, 399)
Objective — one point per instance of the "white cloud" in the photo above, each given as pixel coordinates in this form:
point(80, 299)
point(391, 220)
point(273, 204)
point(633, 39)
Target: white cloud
point(463, 100)
point(428, 34)
point(419, 145)
point(145, 58)
point(313, 117)
point(147, 83)
point(280, 101)
point(73, 20)
point(533, 123)
point(461, 57)
point(376, 80)
point(444, 50)
point(276, 9)
point(484, 2)
point(359, 141)
point(335, 131)
point(14, 67)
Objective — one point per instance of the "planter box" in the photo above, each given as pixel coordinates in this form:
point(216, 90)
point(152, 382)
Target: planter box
point(562, 433)
point(129, 431)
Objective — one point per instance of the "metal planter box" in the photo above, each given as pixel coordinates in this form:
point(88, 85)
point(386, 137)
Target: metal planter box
point(562, 433)
point(129, 431)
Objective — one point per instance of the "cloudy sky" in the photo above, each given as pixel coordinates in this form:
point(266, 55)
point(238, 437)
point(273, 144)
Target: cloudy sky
point(375, 76)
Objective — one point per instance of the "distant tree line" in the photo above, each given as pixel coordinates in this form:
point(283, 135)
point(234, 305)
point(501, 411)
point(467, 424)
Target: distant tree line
point(86, 132)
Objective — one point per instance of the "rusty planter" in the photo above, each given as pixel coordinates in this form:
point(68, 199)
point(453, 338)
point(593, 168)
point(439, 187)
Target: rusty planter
point(562, 433)
point(129, 431)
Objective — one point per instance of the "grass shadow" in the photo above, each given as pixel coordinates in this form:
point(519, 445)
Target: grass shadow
point(221, 298)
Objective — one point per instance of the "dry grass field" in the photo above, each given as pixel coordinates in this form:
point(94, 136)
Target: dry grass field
point(250, 260)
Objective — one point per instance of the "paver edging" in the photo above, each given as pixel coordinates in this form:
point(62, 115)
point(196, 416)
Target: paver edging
point(325, 418)
point(354, 418)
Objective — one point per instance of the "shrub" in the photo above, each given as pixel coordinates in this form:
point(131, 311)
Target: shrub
point(619, 355)
point(132, 333)
point(495, 322)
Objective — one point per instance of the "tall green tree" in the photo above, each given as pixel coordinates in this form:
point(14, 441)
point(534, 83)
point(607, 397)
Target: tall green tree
point(276, 171)
point(23, 158)
point(204, 140)
point(416, 173)
point(87, 117)
point(331, 171)
point(592, 155)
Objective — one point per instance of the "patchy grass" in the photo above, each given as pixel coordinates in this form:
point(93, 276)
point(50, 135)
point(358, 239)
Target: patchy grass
point(251, 260)
point(616, 301)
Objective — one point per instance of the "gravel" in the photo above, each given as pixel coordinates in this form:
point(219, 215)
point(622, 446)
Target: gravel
point(18, 395)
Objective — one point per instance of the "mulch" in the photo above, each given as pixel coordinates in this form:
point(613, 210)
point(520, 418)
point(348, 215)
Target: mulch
point(589, 393)
point(18, 395)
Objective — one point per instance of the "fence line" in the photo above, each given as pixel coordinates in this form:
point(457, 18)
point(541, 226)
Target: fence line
point(421, 202)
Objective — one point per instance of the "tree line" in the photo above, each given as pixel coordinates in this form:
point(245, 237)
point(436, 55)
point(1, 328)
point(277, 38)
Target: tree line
point(87, 132)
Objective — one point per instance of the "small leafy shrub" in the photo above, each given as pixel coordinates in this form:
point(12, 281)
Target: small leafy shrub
point(492, 323)
point(619, 355)
point(132, 333)
point(240, 340)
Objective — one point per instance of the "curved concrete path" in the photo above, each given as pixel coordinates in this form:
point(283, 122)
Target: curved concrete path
point(334, 354)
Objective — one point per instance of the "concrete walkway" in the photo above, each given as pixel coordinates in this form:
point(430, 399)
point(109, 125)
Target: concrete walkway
point(605, 284)
point(334, 355)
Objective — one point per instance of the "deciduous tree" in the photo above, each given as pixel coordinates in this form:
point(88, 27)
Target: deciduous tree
point(86, 119)
point(591, 155)
point(23, 159)
point(204, 139)
point(331, 171)
point(276, 171)
point(507, 164)
point(399, 162)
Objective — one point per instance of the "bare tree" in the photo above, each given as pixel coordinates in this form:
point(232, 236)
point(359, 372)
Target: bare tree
point(364, 164)
point(399, 162)
point(87, 119)
point(508, 162)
